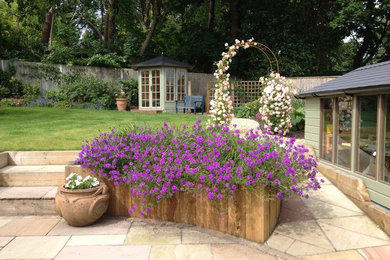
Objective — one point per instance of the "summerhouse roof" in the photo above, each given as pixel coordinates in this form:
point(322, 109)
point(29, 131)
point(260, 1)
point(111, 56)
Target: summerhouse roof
point(162, 61)
point(359, 80)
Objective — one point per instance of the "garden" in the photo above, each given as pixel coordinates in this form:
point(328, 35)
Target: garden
point(207, 175)
point(155, 166)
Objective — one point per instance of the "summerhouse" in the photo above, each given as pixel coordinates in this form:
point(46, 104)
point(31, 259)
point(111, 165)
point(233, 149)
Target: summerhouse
point(161, 81)
point(348, 124)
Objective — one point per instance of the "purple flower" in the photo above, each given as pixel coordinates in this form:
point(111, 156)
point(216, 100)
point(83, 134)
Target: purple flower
point(270, 175)
point(276, 181)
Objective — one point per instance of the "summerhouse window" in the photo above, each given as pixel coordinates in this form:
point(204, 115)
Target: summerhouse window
point(367, 136)
point(386, 161)
point(344, 126)
point(180, 85)
point(327, 129)
point(145, 88)
point(170, 85)
point(155, 88)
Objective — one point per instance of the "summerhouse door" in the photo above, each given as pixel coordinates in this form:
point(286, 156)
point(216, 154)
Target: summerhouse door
point(151, 89)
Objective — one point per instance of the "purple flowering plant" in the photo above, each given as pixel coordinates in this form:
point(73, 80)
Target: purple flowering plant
point(216, 160)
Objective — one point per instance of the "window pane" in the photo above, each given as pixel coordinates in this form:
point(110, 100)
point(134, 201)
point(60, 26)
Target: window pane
point(327, 136)
point(155, 88)
point(145, 88)
point(170, 85)
point(386, 168)
point(180, 85)
point(367, 135)
point(344, 131)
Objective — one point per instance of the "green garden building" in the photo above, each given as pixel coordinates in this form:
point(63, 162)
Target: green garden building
point(161, 81)
point(348, 125)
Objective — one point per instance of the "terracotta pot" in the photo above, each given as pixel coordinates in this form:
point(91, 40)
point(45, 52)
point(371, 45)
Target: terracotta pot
point(121, 103)
point(82, 207)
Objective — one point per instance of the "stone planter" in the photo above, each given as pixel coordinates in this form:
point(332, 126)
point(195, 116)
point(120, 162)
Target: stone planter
point(82, 207)
point(250, 215)
point(121, 103)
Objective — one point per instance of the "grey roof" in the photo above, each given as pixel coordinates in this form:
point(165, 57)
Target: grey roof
point(160, 62)
point(363, 78)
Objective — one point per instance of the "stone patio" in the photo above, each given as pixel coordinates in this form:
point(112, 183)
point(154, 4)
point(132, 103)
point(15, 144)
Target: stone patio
point(326, 226)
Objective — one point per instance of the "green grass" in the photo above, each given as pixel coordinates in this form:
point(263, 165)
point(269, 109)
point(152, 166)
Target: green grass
point(41, 128)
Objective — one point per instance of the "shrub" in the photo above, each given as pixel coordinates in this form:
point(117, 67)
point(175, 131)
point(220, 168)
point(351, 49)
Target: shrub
point(157, 164)
point(248, 110)
point(80, 88)
point(5, 78)
point(30, 92)
point(55, 95)
point(106, 60)
point(64, 104)
point(130, 87)
point(10, 87)
point(6, 102)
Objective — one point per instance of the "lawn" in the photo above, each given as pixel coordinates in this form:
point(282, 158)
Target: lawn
point(42, 128)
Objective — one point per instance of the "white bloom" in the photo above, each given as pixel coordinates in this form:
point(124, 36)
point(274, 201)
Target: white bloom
point(70, 176)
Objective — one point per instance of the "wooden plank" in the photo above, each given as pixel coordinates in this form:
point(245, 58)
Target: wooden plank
point(236, 214)
point(256, 222)
point(274, 204)
point(186, 208)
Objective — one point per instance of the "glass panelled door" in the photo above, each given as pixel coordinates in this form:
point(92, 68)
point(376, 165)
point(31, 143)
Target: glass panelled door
point(145, 89)
point(151, 89)
point(155, 90)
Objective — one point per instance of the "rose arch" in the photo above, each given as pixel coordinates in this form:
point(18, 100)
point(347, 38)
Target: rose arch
point(222, 105)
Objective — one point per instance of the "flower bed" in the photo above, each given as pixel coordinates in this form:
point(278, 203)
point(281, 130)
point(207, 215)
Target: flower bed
point(213, 165)
point(250, 215)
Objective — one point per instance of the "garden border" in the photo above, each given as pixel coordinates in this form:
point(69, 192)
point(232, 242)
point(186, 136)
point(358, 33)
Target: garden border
point(249, 215)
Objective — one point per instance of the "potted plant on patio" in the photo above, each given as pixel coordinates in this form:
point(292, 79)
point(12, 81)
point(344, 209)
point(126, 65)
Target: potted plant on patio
point(121, 100)
point(81, 202)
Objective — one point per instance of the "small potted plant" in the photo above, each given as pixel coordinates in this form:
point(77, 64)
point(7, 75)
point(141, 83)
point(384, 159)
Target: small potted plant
point(81, 202)
point(121, 100)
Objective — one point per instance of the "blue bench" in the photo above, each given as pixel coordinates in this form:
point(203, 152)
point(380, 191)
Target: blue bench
point(191, 102)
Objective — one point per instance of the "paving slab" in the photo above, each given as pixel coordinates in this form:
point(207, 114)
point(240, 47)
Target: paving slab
point(51, 194)
point(238, 252)
point(332, 195)
point(36, 226)
point(24, 192)
point(373, 253)
point(179, 252)
point(35, 247)
point(299, 248)
point(343, 239)
point(294, 209)
point(4, 241)
point(88, 240)
point(4, 221)
point(279, 242)
point(360, 224)
point(305, 231)
point(153, 235)
point(343, 255)
point(104, 252)
point(105, 226)
point(321, 209)
point(204, 236)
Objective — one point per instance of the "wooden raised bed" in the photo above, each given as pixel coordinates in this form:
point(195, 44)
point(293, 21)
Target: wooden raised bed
point(250, 216)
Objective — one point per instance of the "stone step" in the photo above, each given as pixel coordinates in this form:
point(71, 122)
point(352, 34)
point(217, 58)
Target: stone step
point(32, 175)
point(41, 157)
point(27, 200)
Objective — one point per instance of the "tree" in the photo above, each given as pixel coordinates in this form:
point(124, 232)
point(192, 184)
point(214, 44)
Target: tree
point(366, 25)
